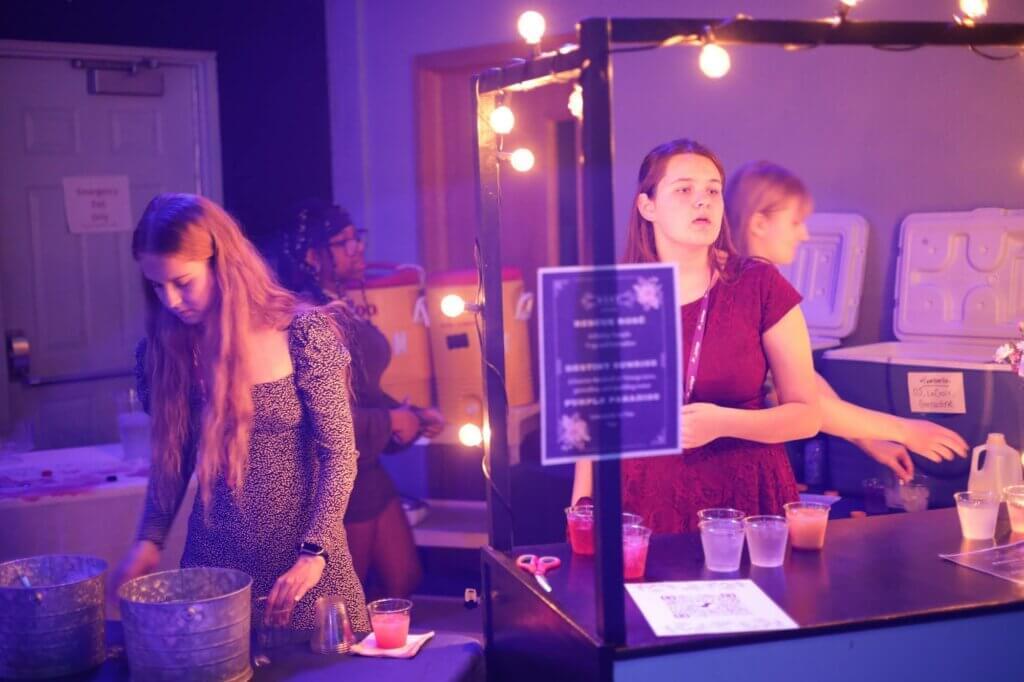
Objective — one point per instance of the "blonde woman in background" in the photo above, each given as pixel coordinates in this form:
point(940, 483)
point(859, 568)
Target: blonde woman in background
point(247, 388)
point(766, 207)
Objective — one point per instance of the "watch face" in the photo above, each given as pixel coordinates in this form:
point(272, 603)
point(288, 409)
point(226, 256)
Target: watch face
point(311, 548)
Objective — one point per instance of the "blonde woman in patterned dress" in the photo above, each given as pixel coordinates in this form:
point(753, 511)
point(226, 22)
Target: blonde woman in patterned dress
point(248, 389)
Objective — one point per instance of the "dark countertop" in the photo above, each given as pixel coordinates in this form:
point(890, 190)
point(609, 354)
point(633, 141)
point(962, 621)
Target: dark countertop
point(873, 572)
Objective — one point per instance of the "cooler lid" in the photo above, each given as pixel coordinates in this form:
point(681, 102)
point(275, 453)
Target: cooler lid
point(828, 271)
point(960, 277)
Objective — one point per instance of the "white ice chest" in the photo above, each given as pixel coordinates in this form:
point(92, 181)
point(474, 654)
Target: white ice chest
point(959, 294)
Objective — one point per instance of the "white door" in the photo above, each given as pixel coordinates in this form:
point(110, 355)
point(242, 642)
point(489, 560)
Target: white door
point(85, 110)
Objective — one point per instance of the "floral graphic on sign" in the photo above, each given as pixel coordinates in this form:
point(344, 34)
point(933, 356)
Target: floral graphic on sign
point(648, 293)
point(1012, 353)
point(573, 432)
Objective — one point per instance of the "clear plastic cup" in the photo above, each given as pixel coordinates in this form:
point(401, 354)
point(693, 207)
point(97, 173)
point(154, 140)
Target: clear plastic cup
point(722, 540)
point(580, 520)
point(914, 497)
point(807, 524)
point(766, 540)
point(874, 496)
point(332, 631)
point(719, 513)
point(390, 620)
point(636, 541)
point(1014, 495)
point(978, 512)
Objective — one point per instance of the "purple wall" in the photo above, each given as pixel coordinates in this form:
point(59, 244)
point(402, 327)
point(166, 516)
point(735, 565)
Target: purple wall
point(877, 133)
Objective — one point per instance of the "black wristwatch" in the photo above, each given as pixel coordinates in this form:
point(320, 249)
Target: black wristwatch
point(313, 549)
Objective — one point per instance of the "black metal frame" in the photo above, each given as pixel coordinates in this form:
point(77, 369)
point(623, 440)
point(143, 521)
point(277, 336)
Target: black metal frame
point(590, 62)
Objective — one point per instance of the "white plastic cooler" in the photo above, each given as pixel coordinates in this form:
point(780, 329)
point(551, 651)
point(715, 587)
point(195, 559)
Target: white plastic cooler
point(959, 294)
point(828, 271)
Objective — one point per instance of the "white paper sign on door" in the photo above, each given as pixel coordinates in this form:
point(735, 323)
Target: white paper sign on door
point(936, 392)
point(97, 203)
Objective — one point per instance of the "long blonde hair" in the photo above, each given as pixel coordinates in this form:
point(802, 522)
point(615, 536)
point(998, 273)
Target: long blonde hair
point(640, 244)
point(210, 358)
point(760, 187)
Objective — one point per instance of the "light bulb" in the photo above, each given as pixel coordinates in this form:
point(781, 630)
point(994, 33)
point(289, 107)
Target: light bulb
point(531, 26)
point(470, 435)
point(502, 120)
point(974, 9)
point(576, 101)
point(452, 305)
point(522, 159)
point(714, 60)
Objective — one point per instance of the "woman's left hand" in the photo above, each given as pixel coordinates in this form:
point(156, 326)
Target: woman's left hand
point(292, 586)
point(431, 421)
point(701, 423)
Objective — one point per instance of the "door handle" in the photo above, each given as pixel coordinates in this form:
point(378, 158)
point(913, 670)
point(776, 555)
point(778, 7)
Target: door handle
point(19, 356)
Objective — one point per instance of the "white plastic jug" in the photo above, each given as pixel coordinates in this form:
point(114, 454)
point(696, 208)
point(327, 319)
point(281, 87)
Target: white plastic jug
point(1002, 466)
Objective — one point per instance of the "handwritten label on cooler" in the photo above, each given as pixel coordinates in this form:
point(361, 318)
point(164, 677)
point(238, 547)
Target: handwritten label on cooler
point(610, 369)
point(936, 392)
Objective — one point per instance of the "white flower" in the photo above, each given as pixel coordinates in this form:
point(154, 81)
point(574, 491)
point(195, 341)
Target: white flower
point(573, 432)
point(1003, 353)
point(648, 293)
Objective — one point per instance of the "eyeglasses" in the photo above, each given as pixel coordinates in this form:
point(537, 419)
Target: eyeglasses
point(350, 245)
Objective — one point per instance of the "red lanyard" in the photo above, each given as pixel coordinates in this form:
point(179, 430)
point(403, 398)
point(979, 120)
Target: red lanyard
point(698, 341)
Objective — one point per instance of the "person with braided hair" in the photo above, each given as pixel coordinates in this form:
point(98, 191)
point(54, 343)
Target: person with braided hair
point(323, 259)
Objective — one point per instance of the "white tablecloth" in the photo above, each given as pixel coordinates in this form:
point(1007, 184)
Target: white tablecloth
point(61, 502)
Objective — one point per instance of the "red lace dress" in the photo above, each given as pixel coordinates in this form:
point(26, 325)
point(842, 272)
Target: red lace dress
point(727, 472)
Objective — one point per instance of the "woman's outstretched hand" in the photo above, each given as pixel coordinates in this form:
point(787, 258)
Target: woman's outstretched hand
point(292, 586)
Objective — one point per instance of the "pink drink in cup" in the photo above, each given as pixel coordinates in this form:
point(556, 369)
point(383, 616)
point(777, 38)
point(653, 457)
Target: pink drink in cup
point(635, 543)
point(581, 529)
point(580, 520)
point(390, 619)
point(807, 523)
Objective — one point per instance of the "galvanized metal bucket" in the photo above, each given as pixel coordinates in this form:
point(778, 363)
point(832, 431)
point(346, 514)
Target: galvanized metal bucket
point(190, 624)
point(51, 616)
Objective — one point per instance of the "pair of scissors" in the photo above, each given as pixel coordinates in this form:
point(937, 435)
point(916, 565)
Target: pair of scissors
point(538, 566)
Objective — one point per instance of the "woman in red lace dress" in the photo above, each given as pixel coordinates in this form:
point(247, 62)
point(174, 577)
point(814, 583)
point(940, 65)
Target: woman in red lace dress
point(733, 454)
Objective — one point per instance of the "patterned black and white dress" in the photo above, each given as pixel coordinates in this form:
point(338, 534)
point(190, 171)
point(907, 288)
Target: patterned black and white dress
point(302, 466)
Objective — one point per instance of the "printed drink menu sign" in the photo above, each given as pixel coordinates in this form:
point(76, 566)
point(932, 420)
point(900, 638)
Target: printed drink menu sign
point(610, 369)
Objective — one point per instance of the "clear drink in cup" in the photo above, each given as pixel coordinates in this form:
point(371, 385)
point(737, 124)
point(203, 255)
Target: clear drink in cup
point(635, 543)
point(978, 512)
point(807, 524)
point(720, 513)
point(914, 497)
point(390, 620)
point(1014, 495)
point(722, 540)
point(766, 540)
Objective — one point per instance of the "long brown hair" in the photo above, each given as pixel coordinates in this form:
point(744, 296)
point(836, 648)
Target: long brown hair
point(208, 358)
point(760, 187)
point(640, 244)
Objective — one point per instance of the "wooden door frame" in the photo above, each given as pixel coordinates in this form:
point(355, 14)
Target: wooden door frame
point(207, 153)
point(428, 73)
